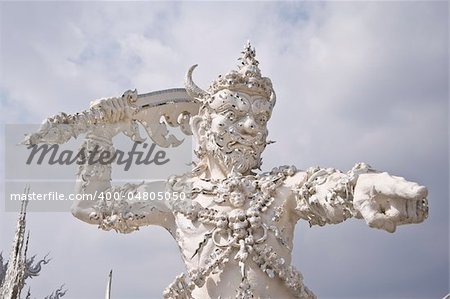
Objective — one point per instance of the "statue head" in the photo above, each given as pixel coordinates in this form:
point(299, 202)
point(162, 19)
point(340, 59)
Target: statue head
point(231, 126)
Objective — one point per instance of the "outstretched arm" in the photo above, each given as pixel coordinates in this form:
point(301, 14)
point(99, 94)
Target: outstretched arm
point(115, 207)
point(328, 196)
point(325, 195)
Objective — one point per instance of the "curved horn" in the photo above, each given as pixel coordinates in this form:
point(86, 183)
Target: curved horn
point(192, 89)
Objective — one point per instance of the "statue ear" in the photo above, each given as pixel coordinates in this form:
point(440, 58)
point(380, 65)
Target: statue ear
point(195, 123)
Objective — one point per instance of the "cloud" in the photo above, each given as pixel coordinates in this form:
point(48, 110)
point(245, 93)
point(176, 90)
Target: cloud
point(355, 82)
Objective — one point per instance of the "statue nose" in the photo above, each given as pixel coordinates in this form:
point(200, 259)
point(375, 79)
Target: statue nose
point(248, 126)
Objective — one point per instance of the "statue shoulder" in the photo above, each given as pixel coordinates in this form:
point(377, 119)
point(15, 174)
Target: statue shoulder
point(290, 175)
point(298, 178)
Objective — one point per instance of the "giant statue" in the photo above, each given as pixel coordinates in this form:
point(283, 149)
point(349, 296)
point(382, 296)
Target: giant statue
point(235, 229)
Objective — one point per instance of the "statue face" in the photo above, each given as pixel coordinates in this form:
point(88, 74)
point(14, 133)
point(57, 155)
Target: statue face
point(236, 129)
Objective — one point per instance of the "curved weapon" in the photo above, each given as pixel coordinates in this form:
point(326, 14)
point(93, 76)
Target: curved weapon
point(154, 111)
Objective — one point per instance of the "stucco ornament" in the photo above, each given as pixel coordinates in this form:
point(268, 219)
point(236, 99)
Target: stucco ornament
point(235, 231)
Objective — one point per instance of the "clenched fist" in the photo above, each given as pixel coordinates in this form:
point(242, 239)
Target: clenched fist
point(386, 201)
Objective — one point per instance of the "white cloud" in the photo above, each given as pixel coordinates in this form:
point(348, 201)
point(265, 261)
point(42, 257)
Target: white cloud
point(355, 82)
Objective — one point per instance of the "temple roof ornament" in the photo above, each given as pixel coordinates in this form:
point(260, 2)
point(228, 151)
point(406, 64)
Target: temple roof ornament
point(19, 268)
point(14, 277)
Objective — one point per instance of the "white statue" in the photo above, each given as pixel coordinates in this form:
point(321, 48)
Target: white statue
point(236, 233)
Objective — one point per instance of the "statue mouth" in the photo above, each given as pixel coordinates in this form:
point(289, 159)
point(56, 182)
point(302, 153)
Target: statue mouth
point(252, 147)
point(248, 140)
point(240, 148)
point(232, 140)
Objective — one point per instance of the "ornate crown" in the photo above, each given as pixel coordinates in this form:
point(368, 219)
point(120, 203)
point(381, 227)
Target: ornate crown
point(247, 79)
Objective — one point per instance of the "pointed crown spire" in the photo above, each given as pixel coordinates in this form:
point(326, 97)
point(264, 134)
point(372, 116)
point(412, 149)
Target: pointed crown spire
point(248, 59)
point(247, 78)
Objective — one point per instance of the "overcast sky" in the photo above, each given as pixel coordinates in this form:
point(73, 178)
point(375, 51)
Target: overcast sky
point(356, 82)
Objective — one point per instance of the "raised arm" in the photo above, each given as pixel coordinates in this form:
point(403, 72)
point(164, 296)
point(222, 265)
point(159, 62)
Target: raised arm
point(328, 196)
point(120, 208)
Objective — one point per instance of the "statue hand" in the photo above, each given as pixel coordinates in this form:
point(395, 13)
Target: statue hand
point(117, 114)
point(386, 201)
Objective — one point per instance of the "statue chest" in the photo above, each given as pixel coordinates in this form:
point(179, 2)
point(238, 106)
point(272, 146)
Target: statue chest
point(242, 221)
point(208, 226)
